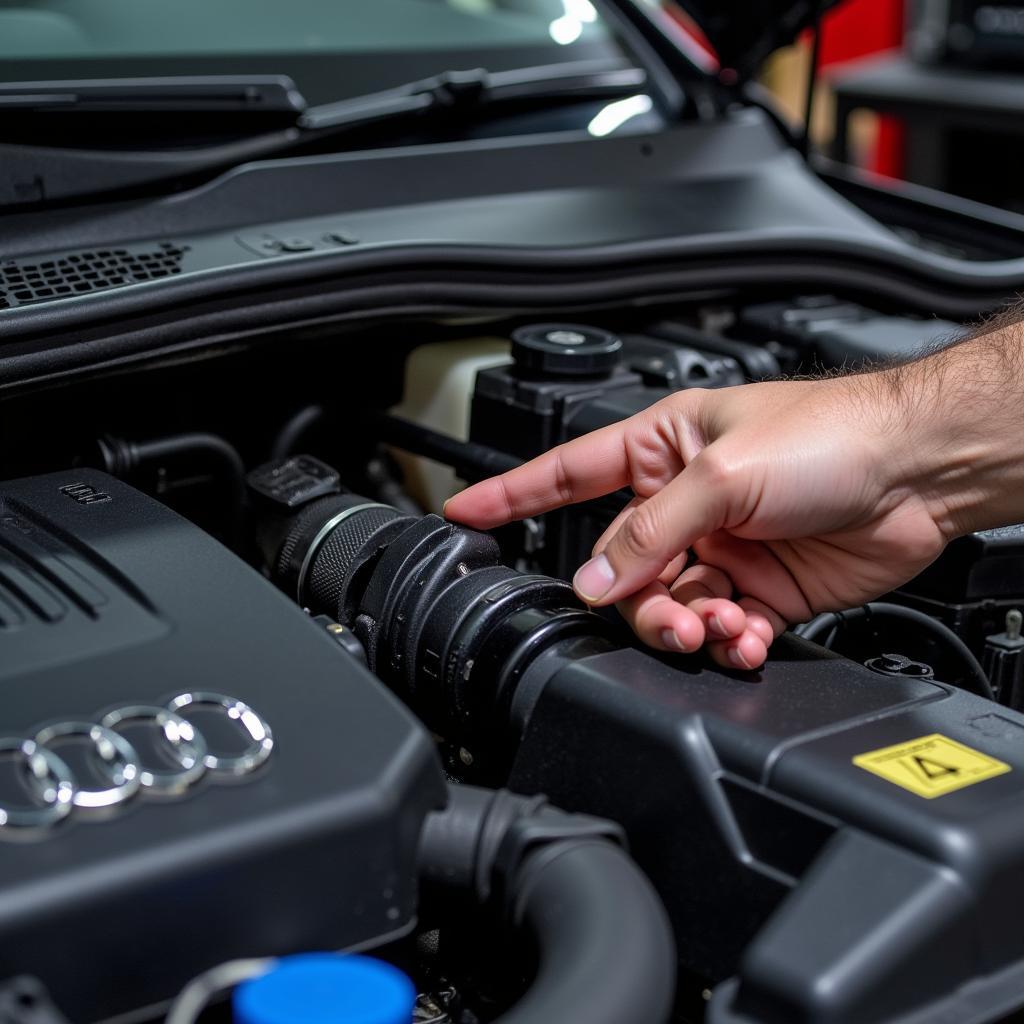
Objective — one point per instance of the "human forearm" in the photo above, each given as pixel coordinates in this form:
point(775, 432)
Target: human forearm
point(956, 427)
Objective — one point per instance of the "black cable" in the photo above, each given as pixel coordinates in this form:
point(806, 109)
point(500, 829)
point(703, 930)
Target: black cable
point(385, 487)
point(880, 609)
point(469, 459)
point(288, 437)
point(812, 77)
point(813, 628)
point(605, 949)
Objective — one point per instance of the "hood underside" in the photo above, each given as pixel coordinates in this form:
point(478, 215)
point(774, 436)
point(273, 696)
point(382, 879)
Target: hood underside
point(745, 32)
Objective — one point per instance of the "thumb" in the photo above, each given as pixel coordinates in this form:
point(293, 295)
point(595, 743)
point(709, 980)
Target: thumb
point(692, 505)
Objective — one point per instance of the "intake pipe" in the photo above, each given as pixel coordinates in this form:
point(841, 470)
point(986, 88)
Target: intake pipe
point(605, 951)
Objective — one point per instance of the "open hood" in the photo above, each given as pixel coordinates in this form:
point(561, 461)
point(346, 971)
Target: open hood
point(745, 32)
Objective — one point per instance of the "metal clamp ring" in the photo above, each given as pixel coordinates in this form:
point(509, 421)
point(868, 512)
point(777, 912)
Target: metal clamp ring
point(116, 758)
point(260, 737)
point(51, 779)
point(183, 741)
point(314, 548)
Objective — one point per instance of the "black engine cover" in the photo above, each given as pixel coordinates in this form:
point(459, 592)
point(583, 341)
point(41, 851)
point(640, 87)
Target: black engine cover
point(109, 599)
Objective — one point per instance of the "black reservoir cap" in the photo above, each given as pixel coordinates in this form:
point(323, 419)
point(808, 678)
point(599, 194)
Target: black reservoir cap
point(565, 350)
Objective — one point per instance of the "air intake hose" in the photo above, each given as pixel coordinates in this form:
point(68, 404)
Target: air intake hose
point(604, 945)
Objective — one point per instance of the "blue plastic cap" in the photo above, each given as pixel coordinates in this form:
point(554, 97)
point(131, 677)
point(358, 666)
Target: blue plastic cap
point(326, 988)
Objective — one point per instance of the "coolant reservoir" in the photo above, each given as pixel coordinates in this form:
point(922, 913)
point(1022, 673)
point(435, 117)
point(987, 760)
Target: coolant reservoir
point(438, 390)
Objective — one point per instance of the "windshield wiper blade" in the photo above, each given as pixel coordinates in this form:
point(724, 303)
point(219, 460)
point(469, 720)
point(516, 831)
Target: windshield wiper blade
point(33, 174)
point(463, 91)
point(272, 94)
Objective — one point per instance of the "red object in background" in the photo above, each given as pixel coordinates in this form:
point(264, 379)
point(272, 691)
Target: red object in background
point(859, 28)
point(888, 148)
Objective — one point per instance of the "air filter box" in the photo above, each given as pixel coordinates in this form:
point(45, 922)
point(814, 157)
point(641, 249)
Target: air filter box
point(834, 845)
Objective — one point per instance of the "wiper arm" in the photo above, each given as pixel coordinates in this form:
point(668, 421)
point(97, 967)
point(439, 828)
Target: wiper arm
point(468, 90)
point(35, 174)
point(273, 94)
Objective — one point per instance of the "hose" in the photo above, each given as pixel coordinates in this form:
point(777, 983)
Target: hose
point(605, 950)
point(212, 445)
point(831, 622)
point(121, 457)
point(604, 945)
point(468, 458)
point(292, 432)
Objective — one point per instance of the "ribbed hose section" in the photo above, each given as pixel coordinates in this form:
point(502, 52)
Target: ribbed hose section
point(327, 577)
point(336, 526)
point(302, 531)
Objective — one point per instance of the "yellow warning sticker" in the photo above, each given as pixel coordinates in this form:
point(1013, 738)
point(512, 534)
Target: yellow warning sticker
point(931, 766)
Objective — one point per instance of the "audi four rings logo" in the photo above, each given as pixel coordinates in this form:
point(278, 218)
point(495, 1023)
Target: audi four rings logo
point(57, 793)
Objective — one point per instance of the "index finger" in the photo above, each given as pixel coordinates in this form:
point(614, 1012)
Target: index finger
point(578, 470)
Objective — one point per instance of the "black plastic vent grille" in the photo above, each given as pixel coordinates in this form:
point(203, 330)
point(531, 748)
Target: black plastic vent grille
point(41, 578)
point(23, 282)
point(58, 601)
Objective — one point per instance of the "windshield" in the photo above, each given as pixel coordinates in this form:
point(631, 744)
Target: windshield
point(330, 48)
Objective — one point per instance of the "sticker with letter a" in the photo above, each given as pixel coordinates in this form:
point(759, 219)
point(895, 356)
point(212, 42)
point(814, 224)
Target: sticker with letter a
point(931, 766)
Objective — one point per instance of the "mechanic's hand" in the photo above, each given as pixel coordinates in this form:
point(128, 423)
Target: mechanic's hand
point(789, 494)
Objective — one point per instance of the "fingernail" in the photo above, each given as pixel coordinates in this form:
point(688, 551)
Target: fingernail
point(671, 641)
point(444, 508)
point(736, 657)
point(594, 579)
point(716, 625)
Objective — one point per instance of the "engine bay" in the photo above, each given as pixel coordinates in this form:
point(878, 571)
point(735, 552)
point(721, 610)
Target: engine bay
point(275, 284)
point(267, 700)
